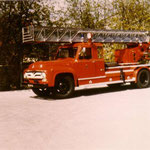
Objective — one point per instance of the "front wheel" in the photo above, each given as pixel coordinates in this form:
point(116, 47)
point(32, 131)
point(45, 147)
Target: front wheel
point(64, 87)
point(143, 79)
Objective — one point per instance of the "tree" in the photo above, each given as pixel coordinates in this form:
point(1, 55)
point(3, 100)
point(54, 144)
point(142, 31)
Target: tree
point(13, 16)
point(128, 15)
point(131, 15)
point(84, 14)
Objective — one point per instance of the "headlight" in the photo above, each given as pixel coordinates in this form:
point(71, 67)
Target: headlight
point(25, 76)
point(44, 77)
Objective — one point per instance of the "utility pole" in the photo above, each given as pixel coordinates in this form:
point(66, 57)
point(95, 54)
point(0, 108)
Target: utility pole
point(21, 49)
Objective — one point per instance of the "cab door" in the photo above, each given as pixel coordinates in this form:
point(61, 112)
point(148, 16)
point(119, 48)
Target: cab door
point(99, 67)
point(85, 66)
point(99, 61)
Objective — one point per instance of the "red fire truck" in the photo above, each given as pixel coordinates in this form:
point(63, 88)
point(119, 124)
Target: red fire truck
point(78, 63)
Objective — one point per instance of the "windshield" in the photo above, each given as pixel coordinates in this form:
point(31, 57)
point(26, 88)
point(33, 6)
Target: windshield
point(67, 52)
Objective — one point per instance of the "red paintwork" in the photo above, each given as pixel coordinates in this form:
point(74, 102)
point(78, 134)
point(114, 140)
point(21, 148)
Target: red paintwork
point(130, 55)
point(94, 70)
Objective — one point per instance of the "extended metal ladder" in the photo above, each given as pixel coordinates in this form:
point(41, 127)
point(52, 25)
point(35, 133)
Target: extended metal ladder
point(65, 35)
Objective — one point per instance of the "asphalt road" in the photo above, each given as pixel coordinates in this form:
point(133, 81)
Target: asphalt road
point(95, 119)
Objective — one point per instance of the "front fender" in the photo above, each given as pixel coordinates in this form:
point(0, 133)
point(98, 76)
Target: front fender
point(61, 70)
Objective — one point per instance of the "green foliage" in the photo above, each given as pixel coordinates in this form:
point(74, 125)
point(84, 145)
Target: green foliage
point(98, 14)
point(109, 50)
point(13, 16)
point(84, 14)
point(131, 15)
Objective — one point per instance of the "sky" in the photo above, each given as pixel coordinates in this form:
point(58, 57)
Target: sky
point(62, 3)
point(57, 3)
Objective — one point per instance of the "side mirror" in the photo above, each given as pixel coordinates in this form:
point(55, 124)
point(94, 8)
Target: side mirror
point(83, 50)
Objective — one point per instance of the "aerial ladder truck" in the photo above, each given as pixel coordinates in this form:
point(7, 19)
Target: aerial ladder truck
point(77, 62)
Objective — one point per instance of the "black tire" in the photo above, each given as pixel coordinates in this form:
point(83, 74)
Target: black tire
point(42, 92)
point(64, 87)
point(143, 79)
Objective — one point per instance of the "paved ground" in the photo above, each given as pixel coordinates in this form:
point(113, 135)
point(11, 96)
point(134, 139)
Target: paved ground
point(99, 119)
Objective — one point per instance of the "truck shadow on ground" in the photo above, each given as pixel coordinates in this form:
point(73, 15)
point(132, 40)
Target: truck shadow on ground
point(90, 92)
point(96, 91)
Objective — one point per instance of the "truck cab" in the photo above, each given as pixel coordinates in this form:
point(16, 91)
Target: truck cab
point(74, 65)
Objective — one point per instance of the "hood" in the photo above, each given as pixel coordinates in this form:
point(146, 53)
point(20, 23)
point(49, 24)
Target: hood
point(42, 65)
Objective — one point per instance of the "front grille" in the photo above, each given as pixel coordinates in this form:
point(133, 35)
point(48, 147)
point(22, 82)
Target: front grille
point(34, 75)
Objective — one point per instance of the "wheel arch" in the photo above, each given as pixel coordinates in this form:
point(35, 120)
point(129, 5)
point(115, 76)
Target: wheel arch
point(65, 74)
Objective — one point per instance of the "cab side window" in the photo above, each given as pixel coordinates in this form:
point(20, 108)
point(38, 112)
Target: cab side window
point(85, 53)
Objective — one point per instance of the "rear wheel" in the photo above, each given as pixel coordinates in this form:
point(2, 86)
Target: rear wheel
point(64, 87)
point(143, 79)
point(42, 92)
